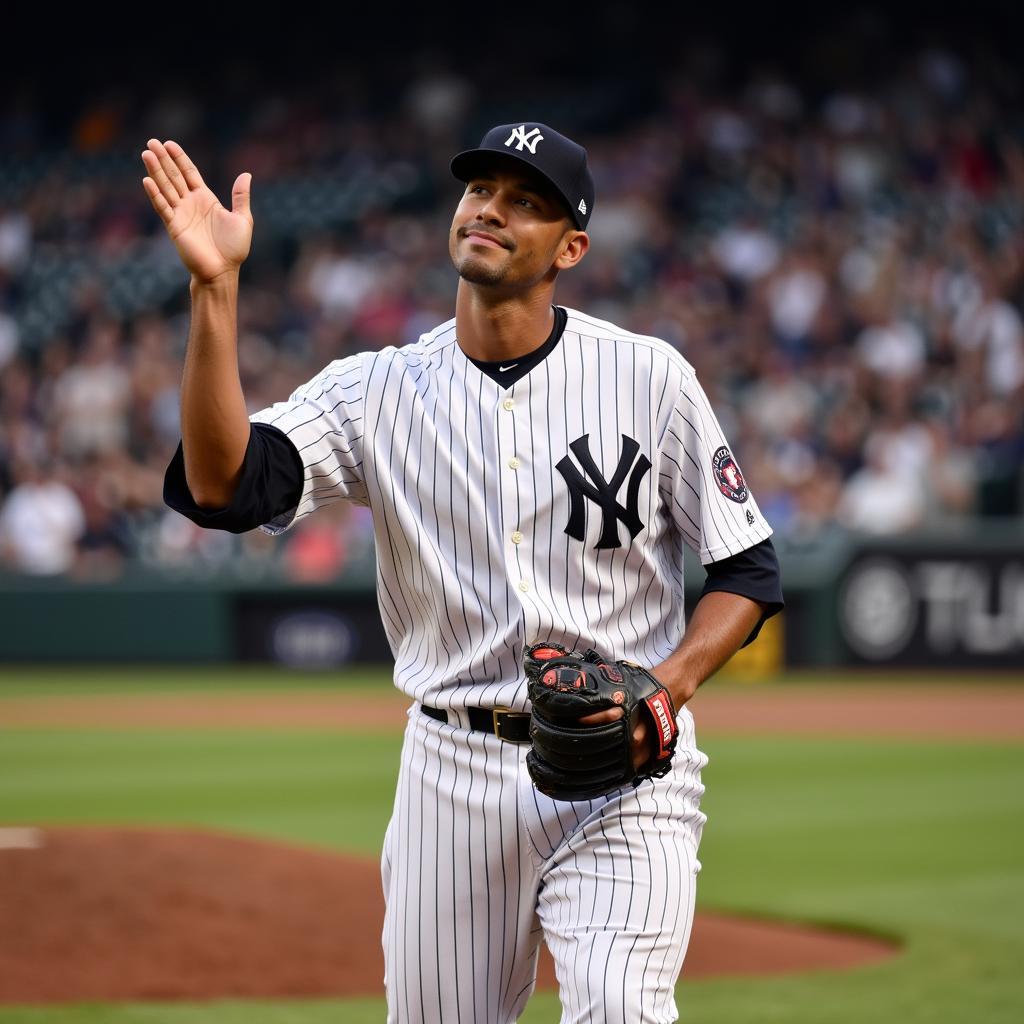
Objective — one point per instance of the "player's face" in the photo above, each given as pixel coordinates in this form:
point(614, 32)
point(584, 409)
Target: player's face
point(528, 226)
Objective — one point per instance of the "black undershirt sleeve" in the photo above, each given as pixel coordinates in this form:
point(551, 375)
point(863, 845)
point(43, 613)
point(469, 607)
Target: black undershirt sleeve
point(753, 573)
point(271, 484)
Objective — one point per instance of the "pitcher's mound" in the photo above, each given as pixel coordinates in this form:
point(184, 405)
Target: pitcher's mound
point(90, 913)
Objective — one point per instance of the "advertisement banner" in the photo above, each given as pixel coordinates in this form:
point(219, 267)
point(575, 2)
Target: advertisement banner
point(943, 607)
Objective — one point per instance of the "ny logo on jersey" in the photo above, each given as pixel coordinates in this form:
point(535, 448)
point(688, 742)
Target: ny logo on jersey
point(603, 492)
point(521, 137)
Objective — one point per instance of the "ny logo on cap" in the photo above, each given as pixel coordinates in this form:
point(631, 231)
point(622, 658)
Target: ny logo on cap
point(521, 137)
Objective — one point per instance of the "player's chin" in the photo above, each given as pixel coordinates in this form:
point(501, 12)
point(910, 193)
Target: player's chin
point(477, 271)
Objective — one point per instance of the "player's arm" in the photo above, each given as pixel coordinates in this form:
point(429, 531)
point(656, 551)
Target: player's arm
point(739, 594)
point(754, 573)
point(213, 243)
point(720, 624)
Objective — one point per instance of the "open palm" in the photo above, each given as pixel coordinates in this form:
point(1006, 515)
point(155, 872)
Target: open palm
point(210, 239)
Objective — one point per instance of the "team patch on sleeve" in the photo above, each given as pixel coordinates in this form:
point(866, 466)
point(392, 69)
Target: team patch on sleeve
point(728, 476)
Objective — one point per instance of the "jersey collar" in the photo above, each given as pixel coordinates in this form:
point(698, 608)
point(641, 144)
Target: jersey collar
point(506, 373)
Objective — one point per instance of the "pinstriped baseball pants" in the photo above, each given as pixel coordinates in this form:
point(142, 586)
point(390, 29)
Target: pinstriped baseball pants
point(477, 866)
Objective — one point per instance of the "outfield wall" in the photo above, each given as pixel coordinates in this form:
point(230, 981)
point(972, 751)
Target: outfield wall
point(951, 599)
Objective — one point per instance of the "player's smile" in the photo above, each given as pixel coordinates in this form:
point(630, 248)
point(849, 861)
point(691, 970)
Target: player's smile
point(481, 238)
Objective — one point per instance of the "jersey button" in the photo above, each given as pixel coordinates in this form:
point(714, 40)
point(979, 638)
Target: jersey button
point(524, 586)
point(508, 403)
point(517, 538)
point(513, 463)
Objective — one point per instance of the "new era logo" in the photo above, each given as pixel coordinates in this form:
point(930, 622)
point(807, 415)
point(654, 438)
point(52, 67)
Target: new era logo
point(521, 137)
point(583, 206)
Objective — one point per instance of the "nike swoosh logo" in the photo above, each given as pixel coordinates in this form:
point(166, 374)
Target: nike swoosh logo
point(509, 367)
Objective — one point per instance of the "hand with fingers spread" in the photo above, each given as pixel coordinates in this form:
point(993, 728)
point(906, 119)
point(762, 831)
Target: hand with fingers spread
point(211, 240)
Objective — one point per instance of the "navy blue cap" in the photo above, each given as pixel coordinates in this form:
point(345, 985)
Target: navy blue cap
point(557, 158)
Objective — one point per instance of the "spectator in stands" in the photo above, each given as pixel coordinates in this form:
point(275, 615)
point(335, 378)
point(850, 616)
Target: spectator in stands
point(845, 273)
point(41, 522)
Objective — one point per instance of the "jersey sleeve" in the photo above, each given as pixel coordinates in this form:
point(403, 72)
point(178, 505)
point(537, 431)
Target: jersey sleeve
point(753, 573)
point(323, 419)
point(270, 483)
point(701, 481)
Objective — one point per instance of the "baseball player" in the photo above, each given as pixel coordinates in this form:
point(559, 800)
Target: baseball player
point(533, 474)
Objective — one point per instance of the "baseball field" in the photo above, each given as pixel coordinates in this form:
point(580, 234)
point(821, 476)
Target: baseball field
point(138, 807)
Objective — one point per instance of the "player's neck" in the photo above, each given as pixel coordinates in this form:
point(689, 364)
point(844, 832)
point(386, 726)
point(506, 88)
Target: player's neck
point(501, 328)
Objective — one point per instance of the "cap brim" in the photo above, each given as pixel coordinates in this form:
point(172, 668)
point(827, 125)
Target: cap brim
point(465, 163)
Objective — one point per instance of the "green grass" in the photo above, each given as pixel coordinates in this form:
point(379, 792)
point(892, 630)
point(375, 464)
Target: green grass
point(919, 840)
point(323, 789)
point(57, 681)
point(916, 839)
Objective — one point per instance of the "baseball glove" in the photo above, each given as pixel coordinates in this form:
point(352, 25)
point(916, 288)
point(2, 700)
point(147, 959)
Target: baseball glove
point(573, 761)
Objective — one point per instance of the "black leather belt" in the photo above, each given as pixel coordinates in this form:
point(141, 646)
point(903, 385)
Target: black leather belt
point(505, 724)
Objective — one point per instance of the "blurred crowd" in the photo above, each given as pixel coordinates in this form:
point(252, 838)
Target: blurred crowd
point(844, 270)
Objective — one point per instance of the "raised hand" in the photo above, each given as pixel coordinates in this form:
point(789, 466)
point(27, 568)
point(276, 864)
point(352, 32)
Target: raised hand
point(211, 240)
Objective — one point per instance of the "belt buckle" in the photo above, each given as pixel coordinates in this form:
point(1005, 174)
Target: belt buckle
point(504, 711)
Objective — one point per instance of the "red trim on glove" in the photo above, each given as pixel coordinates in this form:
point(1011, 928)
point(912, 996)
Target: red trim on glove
point(665, 724)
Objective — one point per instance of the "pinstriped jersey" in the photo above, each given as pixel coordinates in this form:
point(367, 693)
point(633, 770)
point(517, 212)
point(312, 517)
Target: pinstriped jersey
point(555, 509)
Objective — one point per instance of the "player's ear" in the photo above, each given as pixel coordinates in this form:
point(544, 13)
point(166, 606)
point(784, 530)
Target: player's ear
point(573, 248)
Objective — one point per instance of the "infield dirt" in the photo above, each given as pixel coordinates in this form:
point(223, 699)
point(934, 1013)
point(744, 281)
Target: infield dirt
point(868, 709)
point(123, 913)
